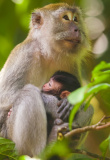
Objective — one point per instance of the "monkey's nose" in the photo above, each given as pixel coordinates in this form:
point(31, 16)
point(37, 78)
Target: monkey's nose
point(76, 29)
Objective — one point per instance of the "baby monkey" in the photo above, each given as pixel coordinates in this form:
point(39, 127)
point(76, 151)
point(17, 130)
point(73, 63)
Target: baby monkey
point(61, 84)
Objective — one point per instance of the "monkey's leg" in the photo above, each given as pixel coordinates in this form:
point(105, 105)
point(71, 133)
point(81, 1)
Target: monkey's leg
point(28, 121)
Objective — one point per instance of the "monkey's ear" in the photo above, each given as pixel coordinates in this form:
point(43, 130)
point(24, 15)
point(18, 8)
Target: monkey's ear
point(37, 20)
point(64, 94)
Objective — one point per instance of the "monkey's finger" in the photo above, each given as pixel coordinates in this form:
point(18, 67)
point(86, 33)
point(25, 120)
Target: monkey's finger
point(63, 112)
point(66, 116)
point(59, 103)
point(63, 104)
point(68, 113)
point(60, 109)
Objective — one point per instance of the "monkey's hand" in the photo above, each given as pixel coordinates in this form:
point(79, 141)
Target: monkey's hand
point(64, 109)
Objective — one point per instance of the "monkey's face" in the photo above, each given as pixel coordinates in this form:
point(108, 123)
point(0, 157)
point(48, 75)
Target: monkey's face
point(67, 31)
point(52, 87)
point(61, 28)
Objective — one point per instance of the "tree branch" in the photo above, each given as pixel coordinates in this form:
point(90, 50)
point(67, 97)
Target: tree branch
point(100, 125)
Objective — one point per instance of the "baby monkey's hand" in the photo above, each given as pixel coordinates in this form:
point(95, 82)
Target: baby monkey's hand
point(64, 109)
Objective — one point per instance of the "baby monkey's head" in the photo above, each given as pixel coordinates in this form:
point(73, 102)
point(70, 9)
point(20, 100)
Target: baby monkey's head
point(61, 84)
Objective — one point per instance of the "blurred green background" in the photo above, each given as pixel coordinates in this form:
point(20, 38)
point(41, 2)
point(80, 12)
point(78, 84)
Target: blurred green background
point(14, 26)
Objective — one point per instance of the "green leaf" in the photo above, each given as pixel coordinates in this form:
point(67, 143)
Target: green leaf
point(95, 89)
point(104, 146)
point(105, 95)
point(7, 149)
point(101, 73)
point(72, 114)
point(100, 67)
point(78, 95)
point(101, 77)
point(88, 102)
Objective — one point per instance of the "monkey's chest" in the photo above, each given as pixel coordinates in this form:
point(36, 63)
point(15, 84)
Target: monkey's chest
point(41, 72)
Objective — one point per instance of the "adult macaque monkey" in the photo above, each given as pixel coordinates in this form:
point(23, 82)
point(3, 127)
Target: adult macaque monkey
point(57, 41)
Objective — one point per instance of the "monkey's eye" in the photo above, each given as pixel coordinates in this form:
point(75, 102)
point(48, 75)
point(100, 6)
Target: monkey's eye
point(66, 17)
point(49, 84)
point(75, 19)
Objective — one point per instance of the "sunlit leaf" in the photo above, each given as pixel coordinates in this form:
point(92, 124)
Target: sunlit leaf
point(102, 77)
point(101, 66)
point(105, 95)
point(97, 88)
point(72, 114)
point(88, 102)
point(101, 73)
point(77, 95)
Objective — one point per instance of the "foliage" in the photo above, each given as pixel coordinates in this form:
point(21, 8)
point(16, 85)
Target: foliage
point(7, 149)
point(100, 81)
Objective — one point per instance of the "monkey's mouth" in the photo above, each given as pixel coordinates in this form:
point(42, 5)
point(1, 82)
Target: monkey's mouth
point(74, 41)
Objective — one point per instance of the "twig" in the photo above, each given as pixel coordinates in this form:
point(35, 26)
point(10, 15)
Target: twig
point(100, 125)
point(90, 154)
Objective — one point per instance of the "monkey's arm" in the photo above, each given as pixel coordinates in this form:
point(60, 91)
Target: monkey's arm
point(51, 104)
point(82, 117)
point(64, 109)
